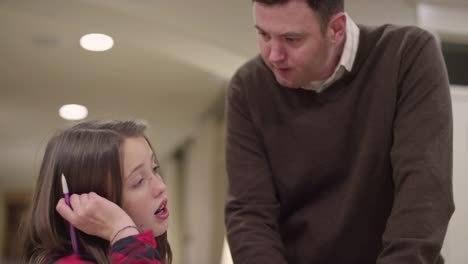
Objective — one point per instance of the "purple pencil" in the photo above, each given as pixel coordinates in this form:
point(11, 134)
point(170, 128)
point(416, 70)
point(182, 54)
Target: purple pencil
point(66, 194)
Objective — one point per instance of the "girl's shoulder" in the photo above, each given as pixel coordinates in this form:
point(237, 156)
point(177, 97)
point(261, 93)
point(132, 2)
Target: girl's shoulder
point(71, 259)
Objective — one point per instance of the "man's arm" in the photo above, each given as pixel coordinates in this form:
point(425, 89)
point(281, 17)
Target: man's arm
point(421, 158)
point(252, 207)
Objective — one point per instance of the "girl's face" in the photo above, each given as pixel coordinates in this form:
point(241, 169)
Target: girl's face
point(144, 192)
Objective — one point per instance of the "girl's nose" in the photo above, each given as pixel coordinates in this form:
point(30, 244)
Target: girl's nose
point(158, 186)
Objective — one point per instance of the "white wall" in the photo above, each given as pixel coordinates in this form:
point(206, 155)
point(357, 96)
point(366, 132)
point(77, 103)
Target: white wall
point(175, 232)
point(2, 223)
point(455, 249)
point(445, 19)
point(203, 217)
point(372, 12)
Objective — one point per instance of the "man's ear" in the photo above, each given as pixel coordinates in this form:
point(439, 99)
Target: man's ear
point(337, 28)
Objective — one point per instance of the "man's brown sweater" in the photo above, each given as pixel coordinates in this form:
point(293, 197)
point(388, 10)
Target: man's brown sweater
point(360, 173)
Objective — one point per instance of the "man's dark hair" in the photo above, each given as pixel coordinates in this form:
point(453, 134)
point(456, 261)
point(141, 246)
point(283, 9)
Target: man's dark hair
point(325, 8)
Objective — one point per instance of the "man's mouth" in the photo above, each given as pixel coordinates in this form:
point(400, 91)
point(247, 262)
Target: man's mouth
point(282, 71)
point(280, 67)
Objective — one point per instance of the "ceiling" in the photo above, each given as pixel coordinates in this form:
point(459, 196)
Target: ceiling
point(170, 62)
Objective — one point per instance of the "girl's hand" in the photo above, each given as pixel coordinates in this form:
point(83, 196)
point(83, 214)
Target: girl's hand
point(95, 215)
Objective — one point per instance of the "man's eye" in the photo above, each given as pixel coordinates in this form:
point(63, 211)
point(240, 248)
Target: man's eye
point(263, 34)
point(292, 40)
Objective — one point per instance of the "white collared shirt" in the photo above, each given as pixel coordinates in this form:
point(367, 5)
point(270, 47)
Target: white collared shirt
point(346, 61)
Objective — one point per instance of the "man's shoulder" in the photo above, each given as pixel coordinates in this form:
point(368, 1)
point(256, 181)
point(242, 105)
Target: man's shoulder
point(395, 33)
point(253, 78)
point(392, 39)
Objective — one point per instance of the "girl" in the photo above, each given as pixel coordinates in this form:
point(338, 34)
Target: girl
point(118, 199)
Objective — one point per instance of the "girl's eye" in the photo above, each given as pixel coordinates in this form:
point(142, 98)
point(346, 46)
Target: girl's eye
point(139, 183)
point(155, 169)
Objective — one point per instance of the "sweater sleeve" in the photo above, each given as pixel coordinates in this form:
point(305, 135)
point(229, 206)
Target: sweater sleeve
point(252, 207)
point(138, 249)
point(421, 158)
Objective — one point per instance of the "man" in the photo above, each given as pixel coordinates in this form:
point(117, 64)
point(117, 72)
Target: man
point(339, 141)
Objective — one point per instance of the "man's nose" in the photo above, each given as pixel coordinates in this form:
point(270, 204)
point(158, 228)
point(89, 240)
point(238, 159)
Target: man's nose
point(277, 52)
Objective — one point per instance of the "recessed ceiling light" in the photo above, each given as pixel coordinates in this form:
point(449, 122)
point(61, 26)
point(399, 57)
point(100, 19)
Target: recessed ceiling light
point(96, 42)
point(73, 112)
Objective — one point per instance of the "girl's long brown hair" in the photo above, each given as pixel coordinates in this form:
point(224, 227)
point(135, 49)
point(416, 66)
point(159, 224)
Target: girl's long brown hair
point(89, 155)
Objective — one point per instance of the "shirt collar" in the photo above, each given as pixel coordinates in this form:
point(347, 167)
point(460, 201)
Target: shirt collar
point(346, 61)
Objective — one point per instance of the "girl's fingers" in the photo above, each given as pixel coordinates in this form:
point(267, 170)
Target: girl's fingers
point(65, 211)
point(75, 201)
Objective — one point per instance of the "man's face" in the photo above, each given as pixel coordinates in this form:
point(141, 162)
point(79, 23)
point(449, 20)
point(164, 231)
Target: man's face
point(292, 44)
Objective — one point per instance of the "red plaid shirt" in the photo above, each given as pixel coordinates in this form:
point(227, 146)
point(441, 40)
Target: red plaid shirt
point(138, 249)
